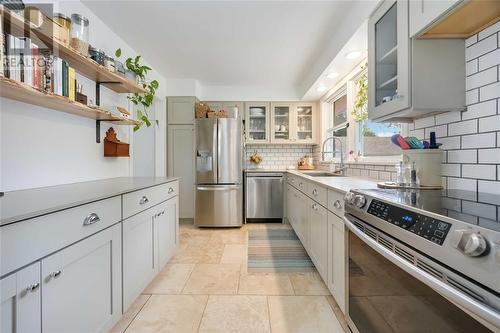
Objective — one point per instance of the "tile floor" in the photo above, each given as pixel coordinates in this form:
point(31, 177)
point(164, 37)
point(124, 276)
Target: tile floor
point(205, 287)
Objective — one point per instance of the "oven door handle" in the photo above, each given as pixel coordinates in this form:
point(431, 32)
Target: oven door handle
point(478, 309)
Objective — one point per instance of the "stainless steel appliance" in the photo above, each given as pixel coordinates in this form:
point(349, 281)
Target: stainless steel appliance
point(264, 197)
point(219, 197)
point(414, 267)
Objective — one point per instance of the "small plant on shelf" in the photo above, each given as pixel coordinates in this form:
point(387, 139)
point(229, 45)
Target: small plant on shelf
point(142, 100)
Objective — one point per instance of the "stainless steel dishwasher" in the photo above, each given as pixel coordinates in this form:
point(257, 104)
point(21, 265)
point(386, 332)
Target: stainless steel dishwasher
point(264, 197)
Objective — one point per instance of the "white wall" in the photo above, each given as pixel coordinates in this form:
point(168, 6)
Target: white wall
point(41, 147)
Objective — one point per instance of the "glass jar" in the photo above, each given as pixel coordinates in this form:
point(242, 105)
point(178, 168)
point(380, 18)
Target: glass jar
point(109, 63)
point(97, 55)
point(80, 33)
point(63, 29)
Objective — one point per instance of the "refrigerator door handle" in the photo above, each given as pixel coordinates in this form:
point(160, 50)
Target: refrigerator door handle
point(217, 188)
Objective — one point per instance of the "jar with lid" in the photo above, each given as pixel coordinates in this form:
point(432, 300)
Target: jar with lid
point(97, 55)
point(109, 63)
point(63, 27)
point(80, 33)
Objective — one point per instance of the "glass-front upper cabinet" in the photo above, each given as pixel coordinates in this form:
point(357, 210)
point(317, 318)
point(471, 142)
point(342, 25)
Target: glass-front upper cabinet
point(304, 122)
point(281, 122)
point(257, 122)
point(388, 59)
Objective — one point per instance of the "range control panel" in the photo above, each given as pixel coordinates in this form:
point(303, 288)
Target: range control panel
point(424, 226)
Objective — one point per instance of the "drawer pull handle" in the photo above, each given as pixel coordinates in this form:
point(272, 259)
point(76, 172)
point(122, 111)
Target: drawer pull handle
point(144, 200)
point(337, 204)
point(33, 287)
point(91, 219)
point(55, 274)
point(170, 190)
point(315, 192)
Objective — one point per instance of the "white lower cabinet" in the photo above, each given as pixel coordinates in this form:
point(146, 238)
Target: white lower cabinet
point(318, 227)
point(303, 207)
point(149, 240)
point(336, 259)
point(81, 285)
point(20, 301)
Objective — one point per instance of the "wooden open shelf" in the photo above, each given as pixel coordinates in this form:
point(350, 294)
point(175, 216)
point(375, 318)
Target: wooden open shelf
point(82, 64)
point(24, 93)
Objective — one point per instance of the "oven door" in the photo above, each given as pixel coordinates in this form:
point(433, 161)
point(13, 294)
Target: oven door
point(388, 292)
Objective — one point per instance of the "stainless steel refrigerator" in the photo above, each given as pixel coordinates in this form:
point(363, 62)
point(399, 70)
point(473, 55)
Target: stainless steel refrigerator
point(219, 198)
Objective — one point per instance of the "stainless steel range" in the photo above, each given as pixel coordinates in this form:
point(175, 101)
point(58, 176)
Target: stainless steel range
point(416, 266)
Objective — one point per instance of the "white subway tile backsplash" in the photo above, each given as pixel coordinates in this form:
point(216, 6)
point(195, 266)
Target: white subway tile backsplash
point(425, 122)
point(452, 170)
point(461, 184)
point(420, 133)
point(483, 109)
point(479, 171)
point(489, 124)
point(489, 31)
point(463, 127)
point(462, 156)
point(450, 142)
point(489, 92)
point(441, 131)
point(488, 187)
point(481, 79)
point(472, 96)
point(448, 117)
point(479, 209)
point(489, 156)
point(471, 40)
point(472, 67)
point(484, 46)
point(485, 140)
point(486, 61)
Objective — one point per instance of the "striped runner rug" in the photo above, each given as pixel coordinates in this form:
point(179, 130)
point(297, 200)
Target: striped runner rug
point(276, 250)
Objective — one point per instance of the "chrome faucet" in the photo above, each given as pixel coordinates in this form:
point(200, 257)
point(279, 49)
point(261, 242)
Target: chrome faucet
point(342, 166)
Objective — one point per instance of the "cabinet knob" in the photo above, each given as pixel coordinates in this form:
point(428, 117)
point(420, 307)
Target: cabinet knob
point(337, 204)
point(315, 206)
point(33, 287)
point(170, 190)
point(55, 274)
point(91, 219)
point(144, 200)
point(315, 192)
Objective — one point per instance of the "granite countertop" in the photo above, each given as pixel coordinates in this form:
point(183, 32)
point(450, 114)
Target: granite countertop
point(339, 183)
point(16, 206)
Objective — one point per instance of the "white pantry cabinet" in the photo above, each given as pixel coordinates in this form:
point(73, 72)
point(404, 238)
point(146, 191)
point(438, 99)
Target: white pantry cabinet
point(180, 163)
point(20, 302)
point(336, 259)
point(318, 247)
point(81, 285)
point(425, 12)
point(180, 110)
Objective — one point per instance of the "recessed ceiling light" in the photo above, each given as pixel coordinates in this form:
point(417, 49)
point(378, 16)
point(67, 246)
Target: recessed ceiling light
point(353, 55)
point(332, 75)
point(321, 88)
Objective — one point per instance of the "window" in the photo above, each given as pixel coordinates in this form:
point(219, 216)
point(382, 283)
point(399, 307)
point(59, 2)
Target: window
point(340, 110)
point(375, 138)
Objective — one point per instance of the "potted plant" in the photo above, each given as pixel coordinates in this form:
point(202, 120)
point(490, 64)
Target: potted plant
point(142, 100)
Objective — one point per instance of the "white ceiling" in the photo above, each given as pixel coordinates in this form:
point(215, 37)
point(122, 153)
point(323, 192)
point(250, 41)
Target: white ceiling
point(229, 43)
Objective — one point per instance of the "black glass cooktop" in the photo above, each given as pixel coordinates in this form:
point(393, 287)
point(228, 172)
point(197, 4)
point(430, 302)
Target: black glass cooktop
point(477, 208)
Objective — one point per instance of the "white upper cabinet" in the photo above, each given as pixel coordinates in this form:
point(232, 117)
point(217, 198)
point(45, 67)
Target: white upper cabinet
point(180, 110)
point(304, 128)
point(425, 12)
point(257, 122)
point(410, 78)
point(281, 122)
point(293, 123)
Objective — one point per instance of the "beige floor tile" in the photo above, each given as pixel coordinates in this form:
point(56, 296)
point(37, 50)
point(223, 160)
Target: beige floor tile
point(265, 284)
point(302, 314)
point(213, 279)
point(234, 254)
point(211, 253)
point(170, 313)
point(187, 255)
point(230, 236)
point(130, 314)
point(308, 284)
point(245, 314)
point(171, 279)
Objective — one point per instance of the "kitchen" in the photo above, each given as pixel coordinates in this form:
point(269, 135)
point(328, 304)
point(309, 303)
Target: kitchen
point(318, 167)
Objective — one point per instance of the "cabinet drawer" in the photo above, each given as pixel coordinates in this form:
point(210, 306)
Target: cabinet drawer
point(302, 184)
point(27, 241)
point(138, 201)
point(336, 202)
point(292, 180)
point(318, 193)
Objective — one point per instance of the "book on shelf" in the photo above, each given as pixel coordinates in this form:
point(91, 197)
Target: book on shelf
point(71, 83)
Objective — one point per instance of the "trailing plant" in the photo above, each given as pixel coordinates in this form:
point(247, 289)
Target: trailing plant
point(142, 100)
point(360, 111)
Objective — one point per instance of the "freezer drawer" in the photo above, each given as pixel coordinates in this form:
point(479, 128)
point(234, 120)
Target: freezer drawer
point(218, 206)
point(264, 196)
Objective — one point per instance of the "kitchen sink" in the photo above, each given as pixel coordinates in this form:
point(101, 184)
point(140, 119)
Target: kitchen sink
point(322, 174)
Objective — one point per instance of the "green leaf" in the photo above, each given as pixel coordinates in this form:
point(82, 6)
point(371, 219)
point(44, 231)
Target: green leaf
point(136, 60)
point(140, 114)
point(154, 84)
point(157, 122)
point(146, 121)
point(118, 53)
point(137, 127)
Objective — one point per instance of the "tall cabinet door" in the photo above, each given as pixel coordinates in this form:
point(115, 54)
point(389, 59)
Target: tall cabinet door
point(281, 122)
point(388, 59)
point(181, 164)
point(166, 224)
point(305, 123)
point(336, 259)
point(319, 237)
point(82, 285)
point(257, 122)
point(20, 302)
point(140, 262)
